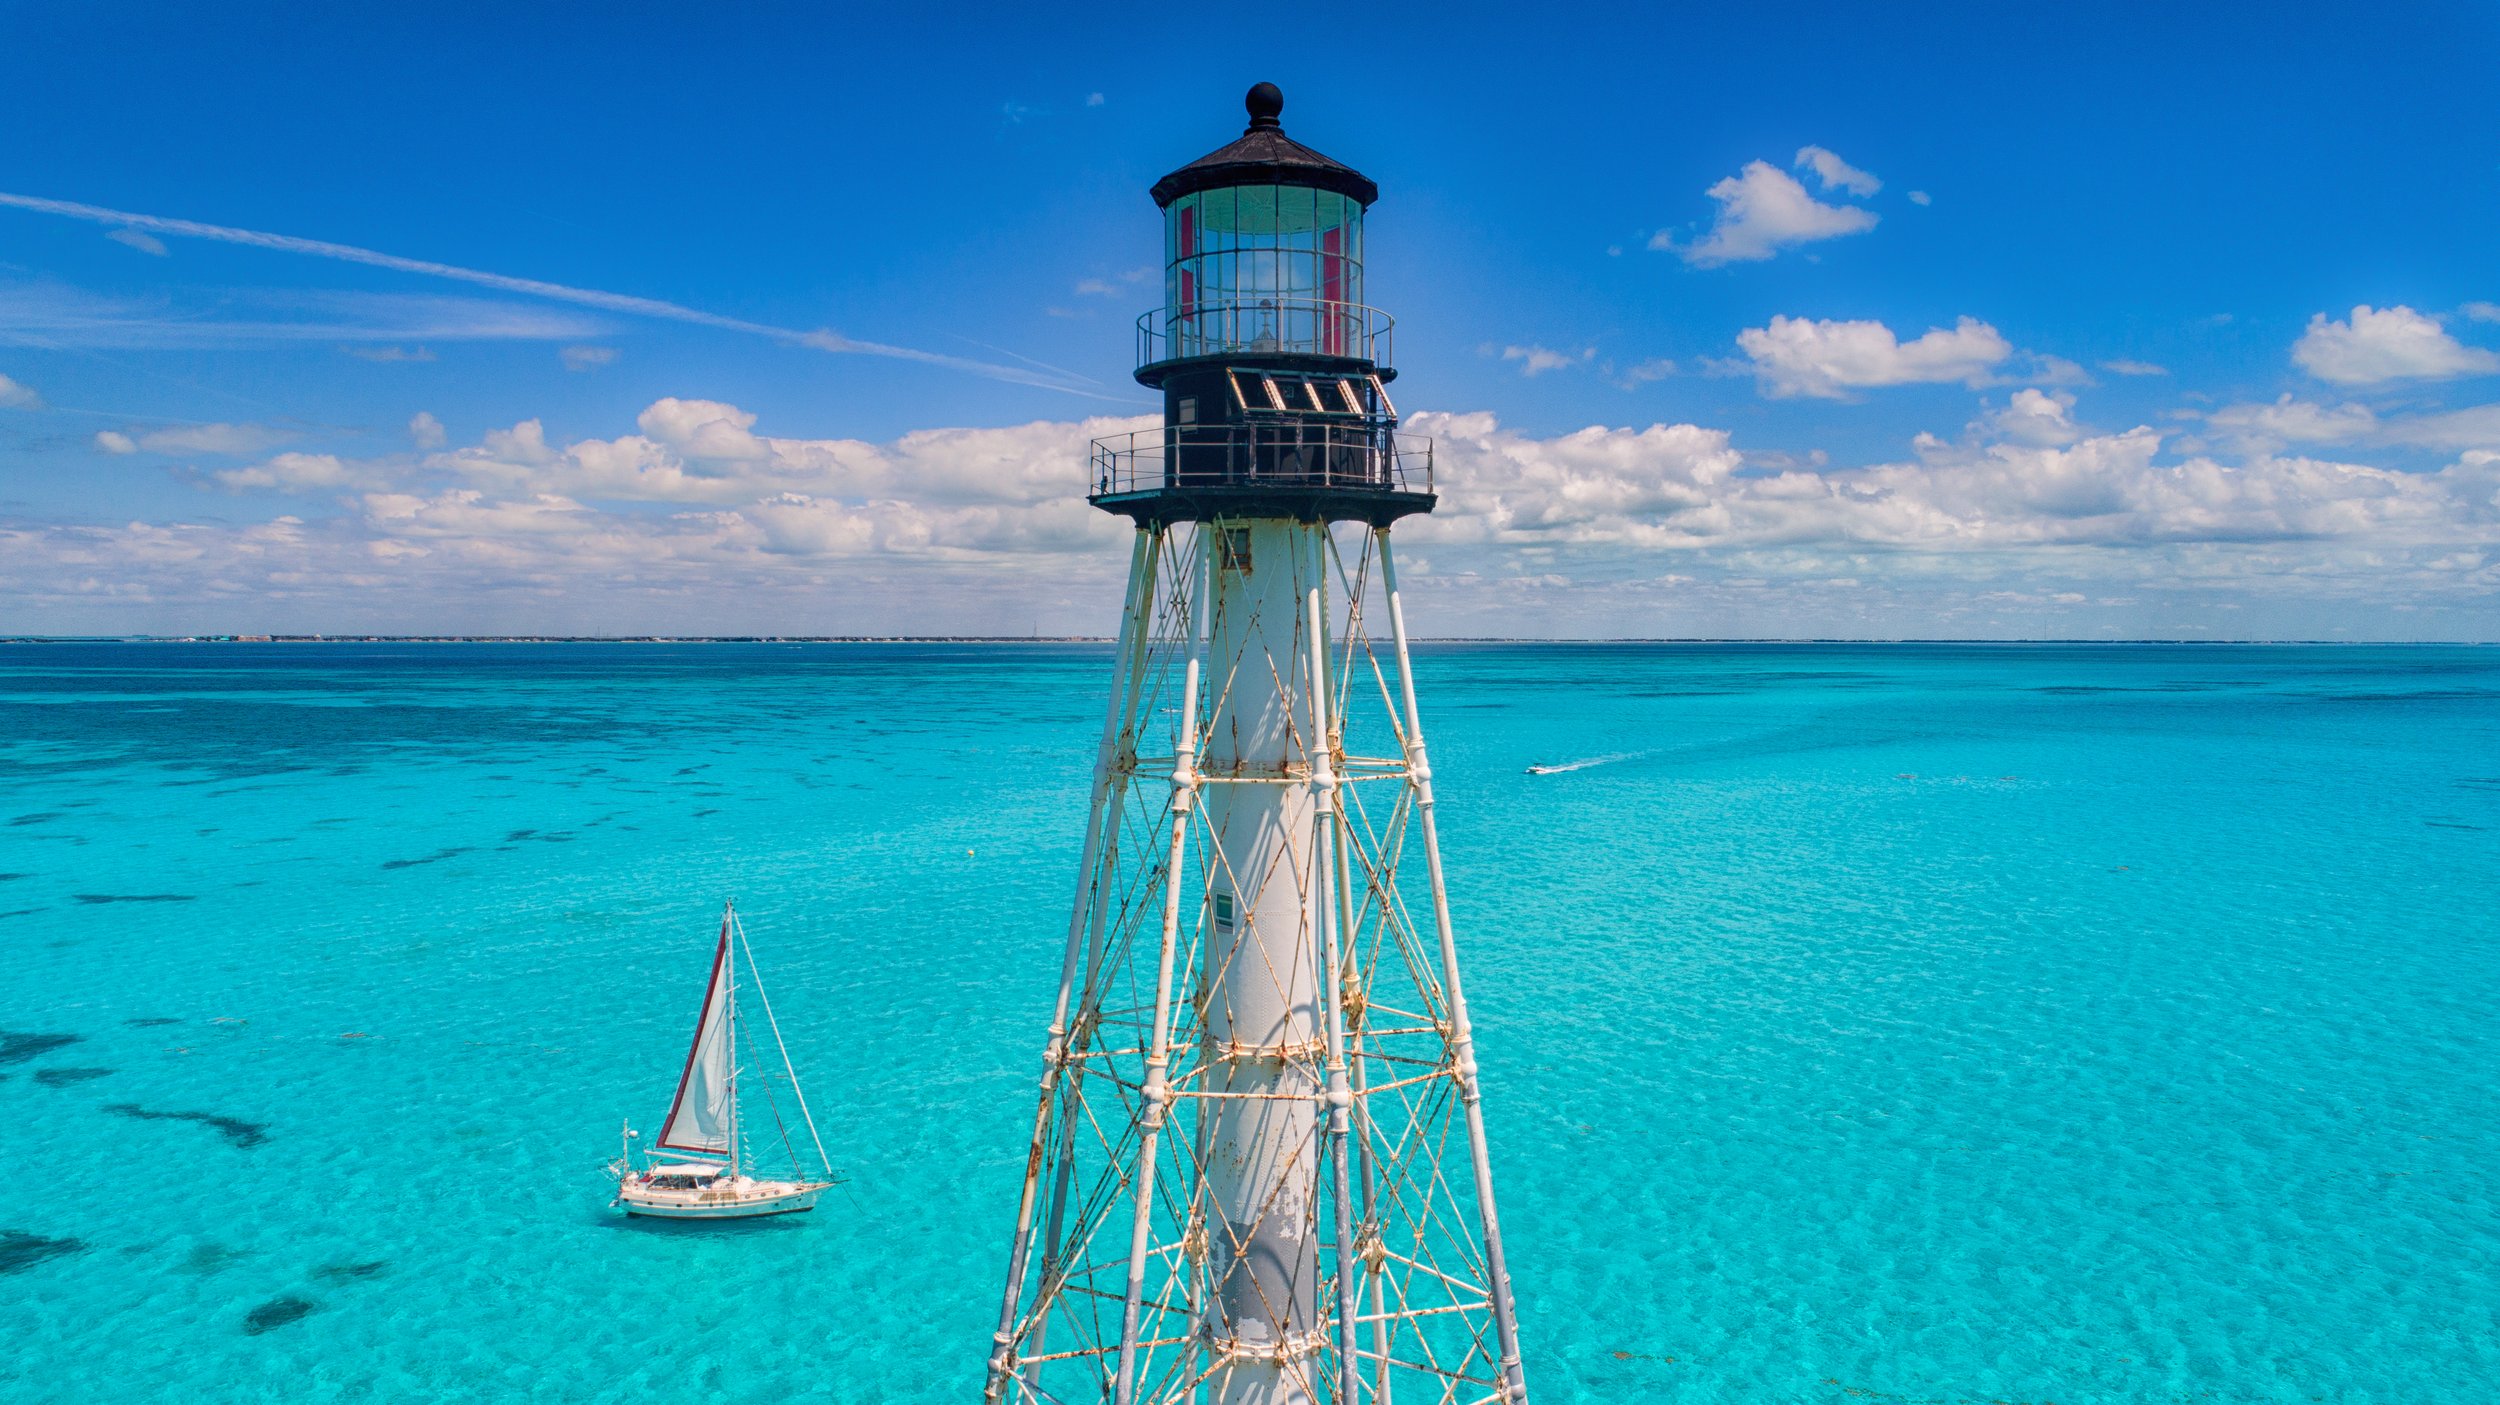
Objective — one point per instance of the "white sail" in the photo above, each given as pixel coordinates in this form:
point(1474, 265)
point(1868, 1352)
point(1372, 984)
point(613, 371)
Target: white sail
point(702, 1117)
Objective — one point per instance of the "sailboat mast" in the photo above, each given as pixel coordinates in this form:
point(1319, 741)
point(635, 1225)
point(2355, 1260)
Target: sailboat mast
point(729, 1012)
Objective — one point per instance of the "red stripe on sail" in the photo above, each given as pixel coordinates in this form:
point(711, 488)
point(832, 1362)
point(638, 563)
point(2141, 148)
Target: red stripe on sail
point(702, 1017)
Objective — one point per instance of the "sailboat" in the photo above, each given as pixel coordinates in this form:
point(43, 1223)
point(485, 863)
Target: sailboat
point(700, 1166)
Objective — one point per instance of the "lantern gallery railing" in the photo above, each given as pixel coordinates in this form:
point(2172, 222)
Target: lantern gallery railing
point(1283, 455)
point(1252, 324)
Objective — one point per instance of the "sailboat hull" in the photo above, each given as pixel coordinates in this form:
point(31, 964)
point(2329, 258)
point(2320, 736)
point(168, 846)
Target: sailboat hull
point(746, 1200)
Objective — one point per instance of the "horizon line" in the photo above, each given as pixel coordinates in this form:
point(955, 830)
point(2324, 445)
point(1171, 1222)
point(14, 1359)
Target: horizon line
point(363, 638)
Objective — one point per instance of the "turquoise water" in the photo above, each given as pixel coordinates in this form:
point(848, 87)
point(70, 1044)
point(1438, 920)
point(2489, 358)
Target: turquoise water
point(1868, 1023)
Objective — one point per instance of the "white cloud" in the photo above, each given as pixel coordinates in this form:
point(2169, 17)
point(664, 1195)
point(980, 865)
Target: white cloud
point(2292, 421)
point(51, 314)
point(234, 440)
point(2040, 368)
point(939, 493)
point(1655, 369)
point(2288, 421)
point(2473, 429)
point(2125, 367)
point(2482, 311)
point(1763, 210)
point(1836, 174)
point(584, 358)
point(1112, 287)
point(2376, 346)
point(1921, 197)
point(703, 429)
point(292, 473)
point(696, 521)
point(1796, 356)
point(2032, 417)
point(1597, 483)
point(388, 353)
point(1093, 99)
point(17, 395)
point(138, 239)
point(230, 440)
point(704, 452)
point(622, 303)
point(425, 431)
point(1537, 360)
point(1674, 486)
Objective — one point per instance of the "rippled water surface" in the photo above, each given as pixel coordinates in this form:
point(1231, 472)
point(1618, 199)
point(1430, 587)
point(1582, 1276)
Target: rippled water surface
point(1861, 1023)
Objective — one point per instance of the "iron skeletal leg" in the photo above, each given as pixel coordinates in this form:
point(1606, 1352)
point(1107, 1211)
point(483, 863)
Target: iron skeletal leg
point(1247, 1168)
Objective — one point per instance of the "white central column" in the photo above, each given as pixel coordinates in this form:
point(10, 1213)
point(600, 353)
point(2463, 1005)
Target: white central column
point(1260, 976)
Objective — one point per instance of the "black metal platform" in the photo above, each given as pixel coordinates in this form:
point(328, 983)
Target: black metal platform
point(1181, 503)
point(1288, 468)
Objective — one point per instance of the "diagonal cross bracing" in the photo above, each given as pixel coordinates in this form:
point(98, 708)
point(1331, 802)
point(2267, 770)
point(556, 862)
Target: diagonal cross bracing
point(1257, 1173)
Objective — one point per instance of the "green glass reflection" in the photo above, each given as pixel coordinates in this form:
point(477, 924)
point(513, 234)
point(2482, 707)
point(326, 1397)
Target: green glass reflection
point(1260, 261)
point(1254, 214)
point(1296, 217)
point(1215, 220)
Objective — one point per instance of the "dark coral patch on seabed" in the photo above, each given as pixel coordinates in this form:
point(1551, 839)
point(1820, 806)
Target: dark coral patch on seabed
point(20, 1251)
point(64, 1077)
point(340, 1273)
point(16, 1047)
point(206, 1258)
point(436, 857)
point(276, 1313)
point(243, 1134)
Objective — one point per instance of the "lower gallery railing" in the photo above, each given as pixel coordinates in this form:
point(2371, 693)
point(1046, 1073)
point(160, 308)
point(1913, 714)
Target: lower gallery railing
point(1260, 455)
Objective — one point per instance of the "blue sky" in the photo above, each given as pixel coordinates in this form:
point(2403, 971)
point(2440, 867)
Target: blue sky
point(1968, 321)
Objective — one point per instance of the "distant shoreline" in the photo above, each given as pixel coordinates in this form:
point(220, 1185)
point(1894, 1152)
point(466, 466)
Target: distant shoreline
point(1105, 639)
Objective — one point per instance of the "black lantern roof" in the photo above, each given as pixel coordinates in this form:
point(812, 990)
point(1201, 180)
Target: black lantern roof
point(1265, 156)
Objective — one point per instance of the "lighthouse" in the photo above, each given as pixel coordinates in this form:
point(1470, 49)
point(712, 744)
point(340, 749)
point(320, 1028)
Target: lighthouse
point(1258, 1171)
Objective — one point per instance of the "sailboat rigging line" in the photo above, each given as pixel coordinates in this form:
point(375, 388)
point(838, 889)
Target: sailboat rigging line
point(781, 1129)
point(787, 1067)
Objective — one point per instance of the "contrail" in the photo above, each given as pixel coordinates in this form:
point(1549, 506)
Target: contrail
point(531, 287)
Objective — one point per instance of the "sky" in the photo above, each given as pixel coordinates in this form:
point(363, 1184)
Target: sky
point(1982, 321)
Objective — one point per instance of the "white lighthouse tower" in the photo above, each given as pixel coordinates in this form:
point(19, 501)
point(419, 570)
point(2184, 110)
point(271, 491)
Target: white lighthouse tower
point(1258, 1172)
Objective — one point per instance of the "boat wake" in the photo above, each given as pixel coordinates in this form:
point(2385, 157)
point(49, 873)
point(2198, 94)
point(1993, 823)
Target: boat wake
point(1558, 767)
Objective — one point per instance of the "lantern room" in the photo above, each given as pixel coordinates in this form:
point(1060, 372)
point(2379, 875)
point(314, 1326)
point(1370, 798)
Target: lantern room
point(1274, 373)
point(1262, 251)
